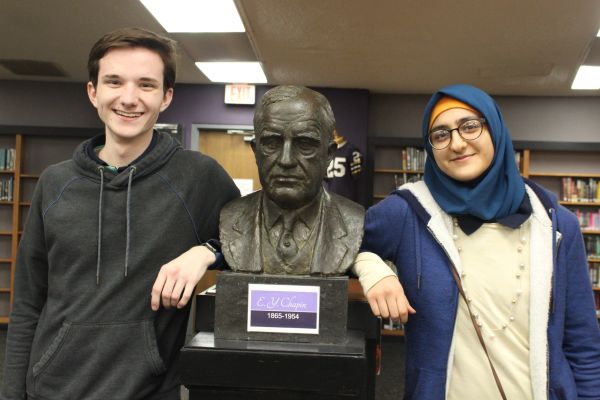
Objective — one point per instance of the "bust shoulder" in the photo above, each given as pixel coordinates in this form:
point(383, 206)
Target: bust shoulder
point(347, 207)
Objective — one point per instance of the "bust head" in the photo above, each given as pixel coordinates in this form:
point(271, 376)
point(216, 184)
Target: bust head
point(292, 226)
point(293, 145)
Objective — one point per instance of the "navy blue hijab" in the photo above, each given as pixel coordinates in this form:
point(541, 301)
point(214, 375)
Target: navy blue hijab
point(500, 190)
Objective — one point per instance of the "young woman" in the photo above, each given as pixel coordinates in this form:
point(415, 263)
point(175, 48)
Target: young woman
point(487, 259)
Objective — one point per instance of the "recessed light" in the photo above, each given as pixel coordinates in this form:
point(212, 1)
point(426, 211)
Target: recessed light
point(196, 15)
point(233, 72)
point(587, 78)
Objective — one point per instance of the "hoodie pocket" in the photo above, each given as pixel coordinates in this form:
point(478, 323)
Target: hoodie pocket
point(99, 361)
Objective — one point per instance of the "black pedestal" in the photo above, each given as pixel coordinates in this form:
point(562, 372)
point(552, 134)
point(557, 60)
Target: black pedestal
point(251, 370)
point(241, 369)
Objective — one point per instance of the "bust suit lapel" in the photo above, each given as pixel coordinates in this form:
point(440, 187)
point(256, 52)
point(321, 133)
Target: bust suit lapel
point(246, 228)
point(330, 249)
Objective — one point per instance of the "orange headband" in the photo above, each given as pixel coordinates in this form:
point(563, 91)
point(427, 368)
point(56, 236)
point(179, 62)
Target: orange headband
point(447, 103)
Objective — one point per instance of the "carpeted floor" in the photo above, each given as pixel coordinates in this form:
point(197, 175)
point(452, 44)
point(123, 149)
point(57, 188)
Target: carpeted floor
point(389, 384)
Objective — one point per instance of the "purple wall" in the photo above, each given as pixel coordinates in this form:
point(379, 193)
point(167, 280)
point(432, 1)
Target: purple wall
point(59, 104)
point(351, 110)
point(55, 104)
point(204, 104)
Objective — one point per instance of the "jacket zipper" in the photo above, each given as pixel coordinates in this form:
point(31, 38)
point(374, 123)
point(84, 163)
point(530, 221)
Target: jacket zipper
point(555, 242)
point(457, 299)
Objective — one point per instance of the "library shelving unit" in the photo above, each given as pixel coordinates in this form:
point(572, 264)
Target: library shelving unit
point(35, 148)
point(570, 170)
point(389, 164)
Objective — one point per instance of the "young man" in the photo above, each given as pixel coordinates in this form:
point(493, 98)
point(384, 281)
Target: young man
point(94, 261)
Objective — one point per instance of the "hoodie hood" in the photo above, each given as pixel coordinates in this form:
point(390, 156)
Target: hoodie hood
point(155, 159)
point(151, 161)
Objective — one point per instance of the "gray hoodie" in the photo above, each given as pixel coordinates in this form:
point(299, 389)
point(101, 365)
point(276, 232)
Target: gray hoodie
point(81, 324)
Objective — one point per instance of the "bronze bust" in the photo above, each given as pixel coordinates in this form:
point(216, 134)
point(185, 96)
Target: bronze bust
point(293, 226)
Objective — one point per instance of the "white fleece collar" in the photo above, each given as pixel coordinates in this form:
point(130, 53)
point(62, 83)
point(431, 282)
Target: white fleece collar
point(540, 292)
point(440, 223)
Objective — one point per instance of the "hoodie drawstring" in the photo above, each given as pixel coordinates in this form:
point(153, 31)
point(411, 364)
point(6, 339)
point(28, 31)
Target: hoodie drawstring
point(128, 216)
point(101, 170)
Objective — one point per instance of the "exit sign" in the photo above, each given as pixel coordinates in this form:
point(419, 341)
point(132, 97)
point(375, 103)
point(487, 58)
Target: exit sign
point(240, 94)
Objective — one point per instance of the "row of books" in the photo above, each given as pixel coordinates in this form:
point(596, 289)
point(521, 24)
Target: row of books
point(589, 220)
point(413, 159)
point(578, 189)
point(592, 246)
point(595, 274)
point(6, 188)
point(7, 159)
point(401, 179)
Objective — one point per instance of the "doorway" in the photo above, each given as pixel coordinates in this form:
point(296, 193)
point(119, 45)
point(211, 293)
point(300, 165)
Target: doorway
point(232, 150)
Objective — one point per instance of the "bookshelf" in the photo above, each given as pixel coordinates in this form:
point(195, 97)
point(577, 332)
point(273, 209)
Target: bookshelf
point(389, 164)
point(8, 231)
point(35, 148)
point(573, 173)
point(570, 170)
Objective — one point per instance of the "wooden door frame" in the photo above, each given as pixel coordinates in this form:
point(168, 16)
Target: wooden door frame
point(196, 128)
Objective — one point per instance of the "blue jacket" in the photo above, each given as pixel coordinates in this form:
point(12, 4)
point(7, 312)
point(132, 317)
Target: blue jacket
point(410, 229)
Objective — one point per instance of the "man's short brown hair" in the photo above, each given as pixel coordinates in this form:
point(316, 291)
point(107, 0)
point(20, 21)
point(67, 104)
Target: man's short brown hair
point(135, 37)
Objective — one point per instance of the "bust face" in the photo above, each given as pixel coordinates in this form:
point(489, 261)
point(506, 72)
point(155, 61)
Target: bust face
point(292, 152)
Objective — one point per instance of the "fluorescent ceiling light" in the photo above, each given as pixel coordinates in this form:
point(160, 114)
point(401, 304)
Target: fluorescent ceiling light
point(196, 15)
point(588, 77)
point(233, 72)
point(598, 34)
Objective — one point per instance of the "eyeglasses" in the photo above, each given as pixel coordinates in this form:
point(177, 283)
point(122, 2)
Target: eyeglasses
point(468, 130)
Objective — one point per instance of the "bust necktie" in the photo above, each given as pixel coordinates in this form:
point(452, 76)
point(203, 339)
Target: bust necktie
point(286, 246)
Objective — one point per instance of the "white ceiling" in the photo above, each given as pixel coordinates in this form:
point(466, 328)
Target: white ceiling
point(511, 47)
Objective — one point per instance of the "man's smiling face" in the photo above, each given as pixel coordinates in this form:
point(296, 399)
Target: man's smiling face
point(129, 94)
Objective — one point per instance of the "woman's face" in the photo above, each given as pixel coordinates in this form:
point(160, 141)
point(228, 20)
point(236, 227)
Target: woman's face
point(463, 160)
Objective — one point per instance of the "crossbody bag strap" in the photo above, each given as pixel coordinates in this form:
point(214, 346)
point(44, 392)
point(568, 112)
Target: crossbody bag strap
point(478, 330)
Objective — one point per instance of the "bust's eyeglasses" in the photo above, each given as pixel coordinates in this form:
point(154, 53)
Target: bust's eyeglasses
point(468, 130)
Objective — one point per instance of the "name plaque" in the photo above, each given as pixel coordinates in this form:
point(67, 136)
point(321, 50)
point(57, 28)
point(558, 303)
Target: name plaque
point(322, 301)
point(283, 308)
